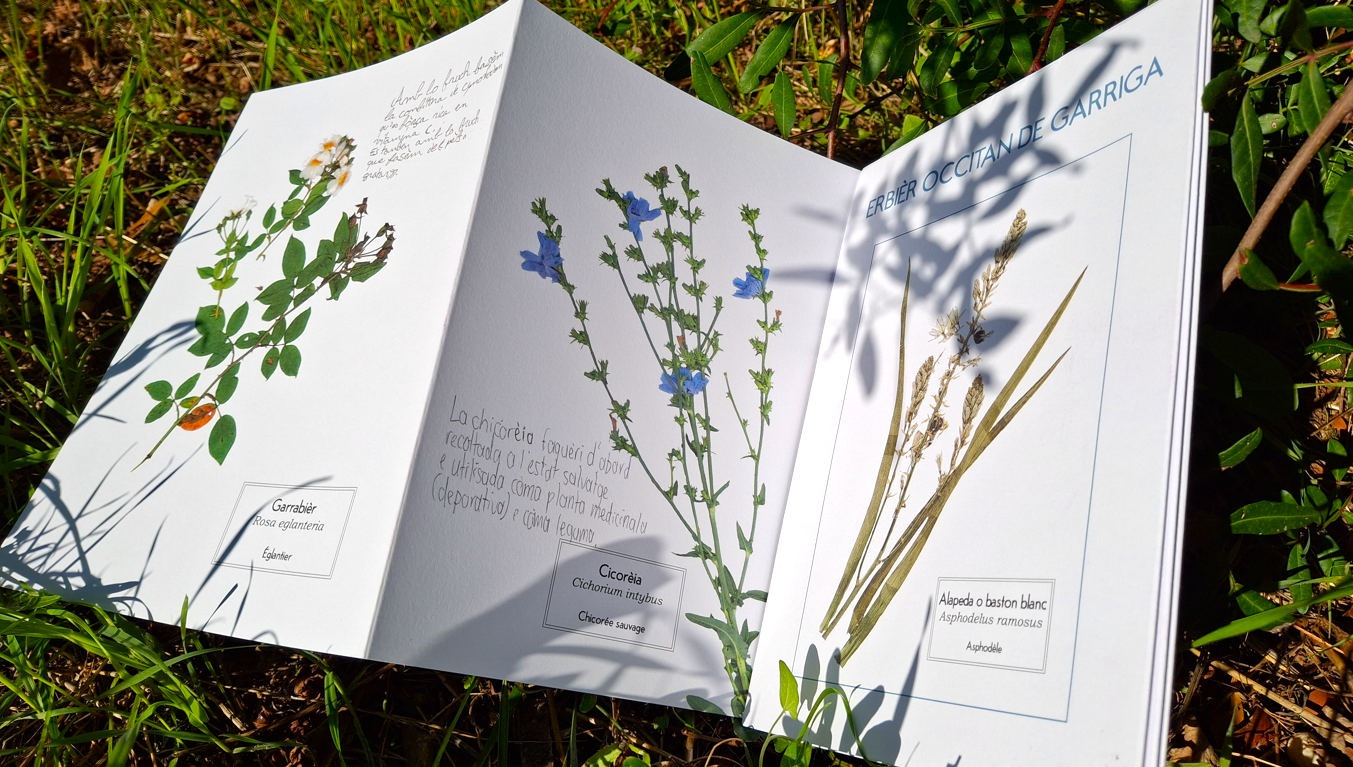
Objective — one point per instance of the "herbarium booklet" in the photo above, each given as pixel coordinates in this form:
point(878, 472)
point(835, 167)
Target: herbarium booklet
point(506, 358)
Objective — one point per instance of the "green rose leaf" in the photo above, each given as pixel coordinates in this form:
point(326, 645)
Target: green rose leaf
point(364, 272)
point(159, 390)
point(293, 258)
point(229, 382)
point(210, 319)
point(336, 287)
point(269, 363)
point(186, 387)
point(343, 234)
point(246, 341)
point(290, 360)
point(279, 292)
point(270, 215)
point(237, 319)
point(291, 208)
point(222, 438)
point(297, 326)
point(159, 410)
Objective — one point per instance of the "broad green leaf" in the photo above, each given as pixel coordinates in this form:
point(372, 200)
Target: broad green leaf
point(1339, 211)
point(1241, 450)
point(226, 388)
point(206, 272)
point(291, 208)
point(732, 640)
point(1252, 602)
point(1270, 618)
point(1298, 570)
point(160, 390)
point(293, 258)
point(277, 293)
point(1247, 150)
point(719, 40)
point(937, 64)
point(826, 78)
point(1021, 50)
point(1330, 346)
point(768, 54)
point(707, 84)
point(1248, 18)
point(297, 326)
point(1294, 28)
point(159, 410)
point(789, 690)
point(237, 319)
point(1256, 274)
point(210, 319)
point(246, 340)
point(222, 438)
point(1329, 556)
point(912, 126)
point(786, 109)
point(336, 287)
point(888, 23)
point(1332, 271)
point(698, 703)
point(290, 360)
point(364, 272)
point(269, 364)
point(186, 387)
point(1056, 44)
point(1272, 517)
point(1313, 99)
point(952, 11)
point(1272, 122)
point(1332, 16)
point(1219, 86)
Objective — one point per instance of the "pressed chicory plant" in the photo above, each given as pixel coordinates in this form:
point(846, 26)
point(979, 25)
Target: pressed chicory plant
point(678, 316)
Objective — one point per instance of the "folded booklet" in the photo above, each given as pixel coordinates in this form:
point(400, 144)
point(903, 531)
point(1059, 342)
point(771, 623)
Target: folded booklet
point(505, 357)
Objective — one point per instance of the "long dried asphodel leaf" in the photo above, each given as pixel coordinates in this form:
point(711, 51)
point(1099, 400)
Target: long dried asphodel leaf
point(885, 471)
point(870, 607)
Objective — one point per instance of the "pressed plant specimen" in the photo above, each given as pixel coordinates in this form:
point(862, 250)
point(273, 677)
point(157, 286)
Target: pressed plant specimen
point(350, 256)
point(882, 557)
point(679, 318)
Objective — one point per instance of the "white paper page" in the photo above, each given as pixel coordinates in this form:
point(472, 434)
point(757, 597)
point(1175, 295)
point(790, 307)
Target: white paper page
point(503, 586)
point(1071, 510)
point(287, 538)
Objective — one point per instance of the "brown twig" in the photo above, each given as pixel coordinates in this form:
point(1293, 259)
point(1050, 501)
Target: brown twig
point(842, 67)
point(1286, 181)
point(1047, 36)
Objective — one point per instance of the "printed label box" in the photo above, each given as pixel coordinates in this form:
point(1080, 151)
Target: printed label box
point(285, 529)
point(1000, 623)
point(616, 596)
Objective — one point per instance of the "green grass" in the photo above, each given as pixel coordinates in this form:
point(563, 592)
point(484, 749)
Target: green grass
point(111, 115)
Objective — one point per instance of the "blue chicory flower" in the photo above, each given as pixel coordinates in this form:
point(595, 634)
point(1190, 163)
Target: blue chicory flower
point(689, 383)
point(545, 263)
point(750, 287)
point(636, 208)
